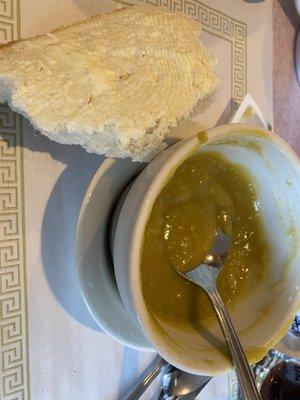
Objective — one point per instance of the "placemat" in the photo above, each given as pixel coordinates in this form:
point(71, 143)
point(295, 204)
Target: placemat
point(50, 346)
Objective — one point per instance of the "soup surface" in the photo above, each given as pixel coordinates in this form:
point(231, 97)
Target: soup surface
point(207, 192)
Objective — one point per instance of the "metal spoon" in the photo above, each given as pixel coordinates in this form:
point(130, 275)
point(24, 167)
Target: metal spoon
point(154, 369)
point(174, 382)
point(205, 275)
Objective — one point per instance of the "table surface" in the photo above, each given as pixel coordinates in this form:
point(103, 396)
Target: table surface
point(47, 208)
point(286, 91)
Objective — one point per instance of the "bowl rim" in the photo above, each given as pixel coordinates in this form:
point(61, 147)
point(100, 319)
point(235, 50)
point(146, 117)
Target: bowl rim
point(107, 165)
point(157, 183)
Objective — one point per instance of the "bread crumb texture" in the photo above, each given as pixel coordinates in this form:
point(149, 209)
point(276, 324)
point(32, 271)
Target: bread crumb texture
point(114, 84)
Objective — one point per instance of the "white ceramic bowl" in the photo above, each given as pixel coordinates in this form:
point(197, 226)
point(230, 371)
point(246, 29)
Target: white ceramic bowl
point(263, 317)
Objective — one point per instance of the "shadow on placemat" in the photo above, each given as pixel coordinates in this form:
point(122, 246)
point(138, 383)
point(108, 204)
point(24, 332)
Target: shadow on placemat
point(129, 371)
point(59, 222)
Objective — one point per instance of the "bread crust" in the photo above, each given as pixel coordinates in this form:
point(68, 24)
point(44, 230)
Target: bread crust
point(78, 23)
point(60, 28)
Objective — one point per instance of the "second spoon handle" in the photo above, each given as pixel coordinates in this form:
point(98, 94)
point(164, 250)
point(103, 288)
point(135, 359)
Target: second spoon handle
point(147, 378)
point(243, 369)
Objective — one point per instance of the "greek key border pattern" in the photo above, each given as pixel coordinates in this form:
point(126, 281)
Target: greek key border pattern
point(9, 20)
point(14, 381)
point(14, 365)
point(221, 25)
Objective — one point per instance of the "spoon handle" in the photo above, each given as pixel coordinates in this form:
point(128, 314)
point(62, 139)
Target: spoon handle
point(163, 395)
point(147, 378)
point(243, 369)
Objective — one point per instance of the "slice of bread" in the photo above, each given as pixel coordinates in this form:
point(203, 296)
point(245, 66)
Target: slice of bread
point(114, 84)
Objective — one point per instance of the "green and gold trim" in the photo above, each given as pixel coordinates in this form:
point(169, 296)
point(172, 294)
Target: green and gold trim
point(14, 352)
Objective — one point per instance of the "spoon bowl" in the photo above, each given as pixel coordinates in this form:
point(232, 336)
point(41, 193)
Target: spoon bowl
point(175, 382)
